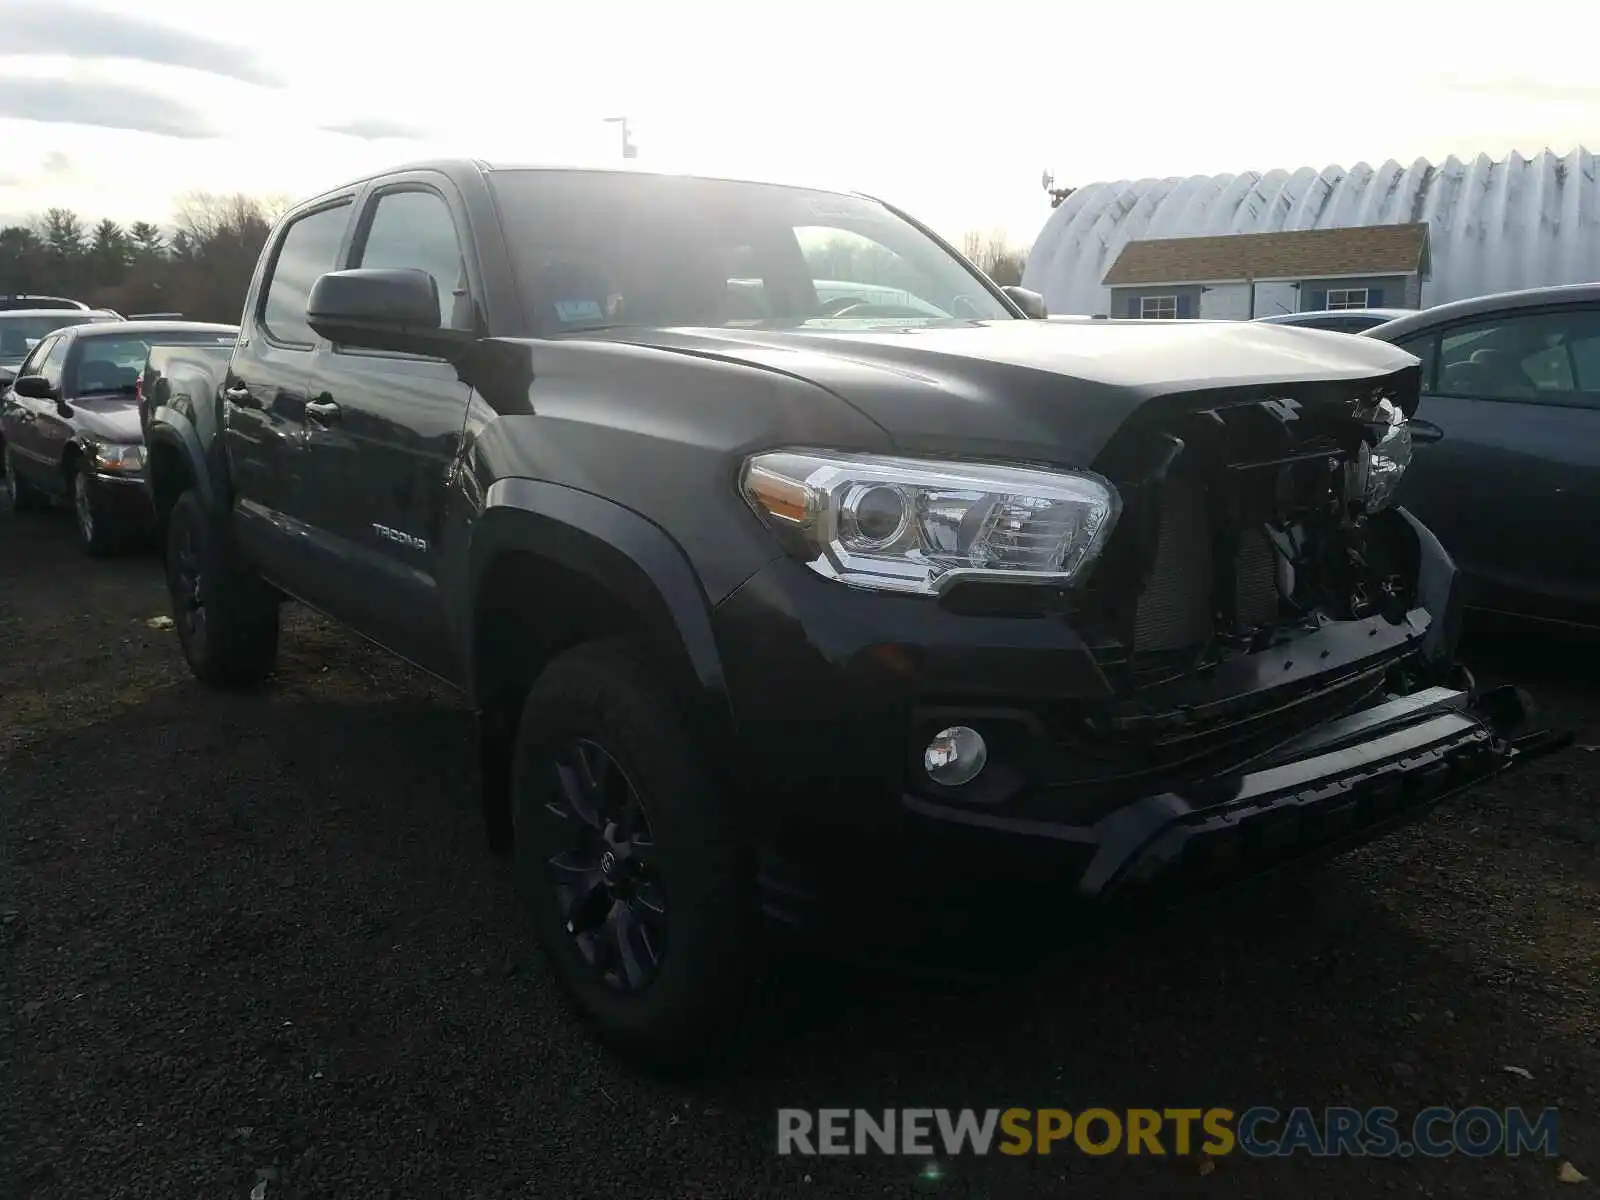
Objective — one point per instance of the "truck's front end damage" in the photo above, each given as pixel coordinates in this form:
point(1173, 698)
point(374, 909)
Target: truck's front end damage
point(1261, 667)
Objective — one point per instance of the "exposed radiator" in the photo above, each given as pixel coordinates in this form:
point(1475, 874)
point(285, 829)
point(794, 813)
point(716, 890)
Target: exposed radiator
point(1175, 610)
point(1256, 579)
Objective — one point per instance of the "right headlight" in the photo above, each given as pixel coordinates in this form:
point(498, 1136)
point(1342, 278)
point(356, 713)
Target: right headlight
point(914, 525)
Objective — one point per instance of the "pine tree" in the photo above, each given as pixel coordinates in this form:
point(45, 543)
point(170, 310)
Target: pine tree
point(66, 250)
point(147, 240)
point(109, 254)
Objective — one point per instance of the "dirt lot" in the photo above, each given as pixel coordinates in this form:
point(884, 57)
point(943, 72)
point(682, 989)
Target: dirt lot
point(258, 940)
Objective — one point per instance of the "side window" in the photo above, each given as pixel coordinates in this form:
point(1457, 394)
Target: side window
point(414, 229)
point(1586, 361)
point(307, 250)
point(1531, 357)
point(36, 356)
point(50, 366)
point(1427, 349)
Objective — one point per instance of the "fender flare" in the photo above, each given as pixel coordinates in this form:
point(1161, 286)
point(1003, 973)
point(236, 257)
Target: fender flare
point(170, 427)
point(625, 553)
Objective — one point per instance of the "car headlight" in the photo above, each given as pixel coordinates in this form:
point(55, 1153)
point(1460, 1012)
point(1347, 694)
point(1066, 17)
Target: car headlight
point(909, 525)
point(1382, 464)
point(112, 456)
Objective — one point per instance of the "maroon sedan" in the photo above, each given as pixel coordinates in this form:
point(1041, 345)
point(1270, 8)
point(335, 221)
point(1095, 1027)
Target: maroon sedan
point(69, 424)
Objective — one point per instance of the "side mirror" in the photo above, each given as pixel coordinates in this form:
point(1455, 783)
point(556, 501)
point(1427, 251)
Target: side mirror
point(35, 387)
point(383, 309)
point(1031, 303)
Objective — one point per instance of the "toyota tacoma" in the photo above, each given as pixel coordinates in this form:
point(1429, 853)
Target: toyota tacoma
point(788, 608)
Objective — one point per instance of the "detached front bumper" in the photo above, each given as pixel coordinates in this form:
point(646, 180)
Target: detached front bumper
point(1333, 788)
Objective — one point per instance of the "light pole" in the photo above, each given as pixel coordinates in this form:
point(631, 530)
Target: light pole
point(629, 150)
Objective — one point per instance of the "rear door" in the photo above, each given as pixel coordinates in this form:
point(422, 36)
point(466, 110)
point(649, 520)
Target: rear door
point(385, 429)
point(1514, 486)
point(281, 510)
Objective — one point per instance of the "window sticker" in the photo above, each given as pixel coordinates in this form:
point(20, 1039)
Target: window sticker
point(579, 310)
point(826, 208)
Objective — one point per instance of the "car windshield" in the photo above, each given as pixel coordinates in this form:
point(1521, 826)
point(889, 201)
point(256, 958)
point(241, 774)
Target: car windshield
point(107, 363)
point(596, 248)
point(20, 334)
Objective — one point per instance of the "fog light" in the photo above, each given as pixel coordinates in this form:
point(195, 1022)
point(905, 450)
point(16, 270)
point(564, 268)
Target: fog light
point(955, 756)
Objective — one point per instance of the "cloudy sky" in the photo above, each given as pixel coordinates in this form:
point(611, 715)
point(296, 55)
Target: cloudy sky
point(950, 109)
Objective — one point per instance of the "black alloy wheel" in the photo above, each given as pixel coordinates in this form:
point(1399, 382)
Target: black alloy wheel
point(225, 616)
point(607, 891)
point(185, 576)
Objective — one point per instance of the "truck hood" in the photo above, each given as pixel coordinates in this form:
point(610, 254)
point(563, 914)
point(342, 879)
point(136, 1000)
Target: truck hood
point(1043, 389)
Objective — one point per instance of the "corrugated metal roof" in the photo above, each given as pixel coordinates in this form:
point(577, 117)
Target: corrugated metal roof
point(1298, 254)
point(1493, 225)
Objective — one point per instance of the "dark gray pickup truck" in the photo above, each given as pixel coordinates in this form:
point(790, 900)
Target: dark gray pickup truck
point(820, 610)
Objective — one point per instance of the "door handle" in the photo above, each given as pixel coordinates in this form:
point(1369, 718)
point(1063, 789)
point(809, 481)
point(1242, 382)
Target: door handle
point(238, 394)
point(324, 412)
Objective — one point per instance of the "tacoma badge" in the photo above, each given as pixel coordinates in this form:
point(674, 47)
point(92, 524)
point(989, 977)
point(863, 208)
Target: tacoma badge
point(400, 539)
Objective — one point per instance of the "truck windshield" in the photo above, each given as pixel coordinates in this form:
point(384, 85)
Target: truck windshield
point(598, 248)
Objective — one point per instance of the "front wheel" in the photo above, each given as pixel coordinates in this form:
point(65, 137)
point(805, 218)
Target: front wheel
point(97, 533)
point(226, 618)
point(637, 883)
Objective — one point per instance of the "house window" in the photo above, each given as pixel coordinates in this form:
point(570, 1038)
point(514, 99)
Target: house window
point(1159, 308)
point(1347, 298)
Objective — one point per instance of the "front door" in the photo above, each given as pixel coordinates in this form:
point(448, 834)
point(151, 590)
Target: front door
point(280, 510)
point(42, 432)
point(384, 432)
point(1512, 488)
point(22, 415)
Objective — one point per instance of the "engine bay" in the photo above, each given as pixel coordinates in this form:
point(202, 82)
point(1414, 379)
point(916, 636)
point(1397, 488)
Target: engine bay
point(1247, 522)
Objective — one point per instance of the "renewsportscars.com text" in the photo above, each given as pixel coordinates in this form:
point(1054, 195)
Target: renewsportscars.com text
point(1259, 1132)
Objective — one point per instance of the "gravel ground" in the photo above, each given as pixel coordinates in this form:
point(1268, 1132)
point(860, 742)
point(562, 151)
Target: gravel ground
point(255, 945)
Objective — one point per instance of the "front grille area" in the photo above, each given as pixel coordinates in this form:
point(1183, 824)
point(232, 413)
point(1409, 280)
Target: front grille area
point(1174, 611)
point(1177, 609)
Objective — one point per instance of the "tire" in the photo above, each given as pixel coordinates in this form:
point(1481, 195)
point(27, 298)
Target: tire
point(686, 1012)
point(97, 528)
point(17, 495)
point(225, 617)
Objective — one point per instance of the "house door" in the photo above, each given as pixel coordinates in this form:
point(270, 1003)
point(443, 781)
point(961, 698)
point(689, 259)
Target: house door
point(1275, 298)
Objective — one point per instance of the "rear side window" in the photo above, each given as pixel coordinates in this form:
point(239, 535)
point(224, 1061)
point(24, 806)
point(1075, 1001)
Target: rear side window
point(414, 229)
point(308, 249)
point(1427, 349)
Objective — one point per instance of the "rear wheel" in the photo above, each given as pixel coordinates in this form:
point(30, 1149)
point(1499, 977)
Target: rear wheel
point(226, 618)
point(16, 493)
point(633, 872)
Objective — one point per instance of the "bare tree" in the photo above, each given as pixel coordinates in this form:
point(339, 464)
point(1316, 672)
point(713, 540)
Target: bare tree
point(992, 254)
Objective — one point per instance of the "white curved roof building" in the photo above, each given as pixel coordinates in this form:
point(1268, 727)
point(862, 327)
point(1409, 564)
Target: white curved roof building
point(1493, 226)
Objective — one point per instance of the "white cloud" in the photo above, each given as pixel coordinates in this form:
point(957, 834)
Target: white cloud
point(950, 112)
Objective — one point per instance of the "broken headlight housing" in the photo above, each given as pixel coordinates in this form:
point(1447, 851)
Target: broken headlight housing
point(1380, 464)
point(919, 526)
